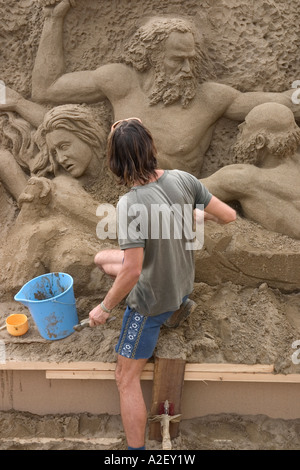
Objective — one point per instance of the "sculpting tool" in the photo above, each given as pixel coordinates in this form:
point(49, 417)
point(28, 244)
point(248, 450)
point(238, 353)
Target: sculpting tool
point(86, 323)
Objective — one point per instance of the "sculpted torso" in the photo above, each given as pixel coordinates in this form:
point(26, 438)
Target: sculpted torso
point(269, 196)
point(182, 135)
point(274, 198)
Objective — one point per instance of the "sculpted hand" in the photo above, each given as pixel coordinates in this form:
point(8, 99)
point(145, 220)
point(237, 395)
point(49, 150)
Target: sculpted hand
point(57, 10)
point(38, 188)
point(11, 100)
point(98, 316)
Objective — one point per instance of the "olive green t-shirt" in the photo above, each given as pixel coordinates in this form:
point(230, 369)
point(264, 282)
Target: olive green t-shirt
point(158, 217)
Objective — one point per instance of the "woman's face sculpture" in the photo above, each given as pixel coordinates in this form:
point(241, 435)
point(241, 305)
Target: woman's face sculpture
point(69, 151)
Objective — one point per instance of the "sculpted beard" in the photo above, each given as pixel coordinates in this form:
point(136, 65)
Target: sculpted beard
point(283, 146)
point(245, 151)
point(171, 89)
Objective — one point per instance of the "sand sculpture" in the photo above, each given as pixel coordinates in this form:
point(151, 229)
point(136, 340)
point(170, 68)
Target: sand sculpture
point(265, 177)
point(166, 75)
point(67, 149)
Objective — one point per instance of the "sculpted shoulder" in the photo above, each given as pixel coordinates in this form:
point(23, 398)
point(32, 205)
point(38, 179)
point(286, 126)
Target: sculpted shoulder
point(116, 80)
point(232, 181)
point(219, 96)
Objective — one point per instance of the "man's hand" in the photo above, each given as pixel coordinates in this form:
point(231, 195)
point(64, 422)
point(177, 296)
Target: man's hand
point(98, 316)
point(58, 11)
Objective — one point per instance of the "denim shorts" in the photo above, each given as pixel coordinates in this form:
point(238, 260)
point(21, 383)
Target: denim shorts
point(139, 334)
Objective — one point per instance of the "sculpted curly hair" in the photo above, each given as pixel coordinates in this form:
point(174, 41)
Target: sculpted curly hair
point(142, 50)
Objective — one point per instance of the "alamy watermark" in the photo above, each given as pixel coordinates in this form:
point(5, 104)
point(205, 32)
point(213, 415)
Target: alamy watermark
point(296, 355)
point(296, 344)
point(2, 92)
point(141, 222)
point(2, 352)
point(296, 93)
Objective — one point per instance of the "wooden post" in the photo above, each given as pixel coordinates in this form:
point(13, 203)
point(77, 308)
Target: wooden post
point(167, 385)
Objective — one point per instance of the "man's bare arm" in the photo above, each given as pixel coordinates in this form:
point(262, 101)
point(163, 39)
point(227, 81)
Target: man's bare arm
point(221, 211)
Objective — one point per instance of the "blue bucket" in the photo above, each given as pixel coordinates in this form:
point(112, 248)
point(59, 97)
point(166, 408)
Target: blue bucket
point(51, 302)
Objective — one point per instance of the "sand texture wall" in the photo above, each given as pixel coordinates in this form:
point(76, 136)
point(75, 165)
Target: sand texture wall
point(230, 116)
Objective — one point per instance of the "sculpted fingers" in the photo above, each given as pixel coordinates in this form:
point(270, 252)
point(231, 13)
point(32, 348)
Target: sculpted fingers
point(57, 8)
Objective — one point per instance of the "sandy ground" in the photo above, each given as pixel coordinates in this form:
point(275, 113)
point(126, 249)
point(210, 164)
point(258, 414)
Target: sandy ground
point(24, 431)
point(232, 324)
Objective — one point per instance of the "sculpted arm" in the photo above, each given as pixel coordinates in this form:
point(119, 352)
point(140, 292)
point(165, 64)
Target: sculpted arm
point(11, 174)
point(73, 201)
point(50, 83)
point(49, 63)
point(243, 103)
point(32, 112)
point(83, 87)
point(230, 182)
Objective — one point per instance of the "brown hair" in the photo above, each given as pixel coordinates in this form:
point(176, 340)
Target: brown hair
point(131, 152)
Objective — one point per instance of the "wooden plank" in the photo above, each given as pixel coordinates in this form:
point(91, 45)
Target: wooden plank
point(89, 366)
point(222, 367)
point(80, 374)
point(193, 372)
point(241, 377)
point(190, 367)
point(89, 374)
point(168, 382)
point(28, 365)
point(193, 376)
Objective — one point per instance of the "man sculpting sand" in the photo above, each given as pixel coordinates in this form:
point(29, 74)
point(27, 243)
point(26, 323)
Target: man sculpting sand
point(156, 274)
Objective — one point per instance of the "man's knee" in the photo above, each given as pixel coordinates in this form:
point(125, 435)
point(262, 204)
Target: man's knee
point(109, 261)
point(122, 379)
point(98, 260)
point(128, 374)
point(118, 375)
point(101, 259)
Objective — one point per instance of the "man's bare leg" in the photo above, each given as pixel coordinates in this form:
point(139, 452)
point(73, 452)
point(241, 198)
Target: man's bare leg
point(110, 261)
point(133, 408)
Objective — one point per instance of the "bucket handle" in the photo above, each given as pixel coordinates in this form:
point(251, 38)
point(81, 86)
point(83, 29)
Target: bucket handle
point(63, 303)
